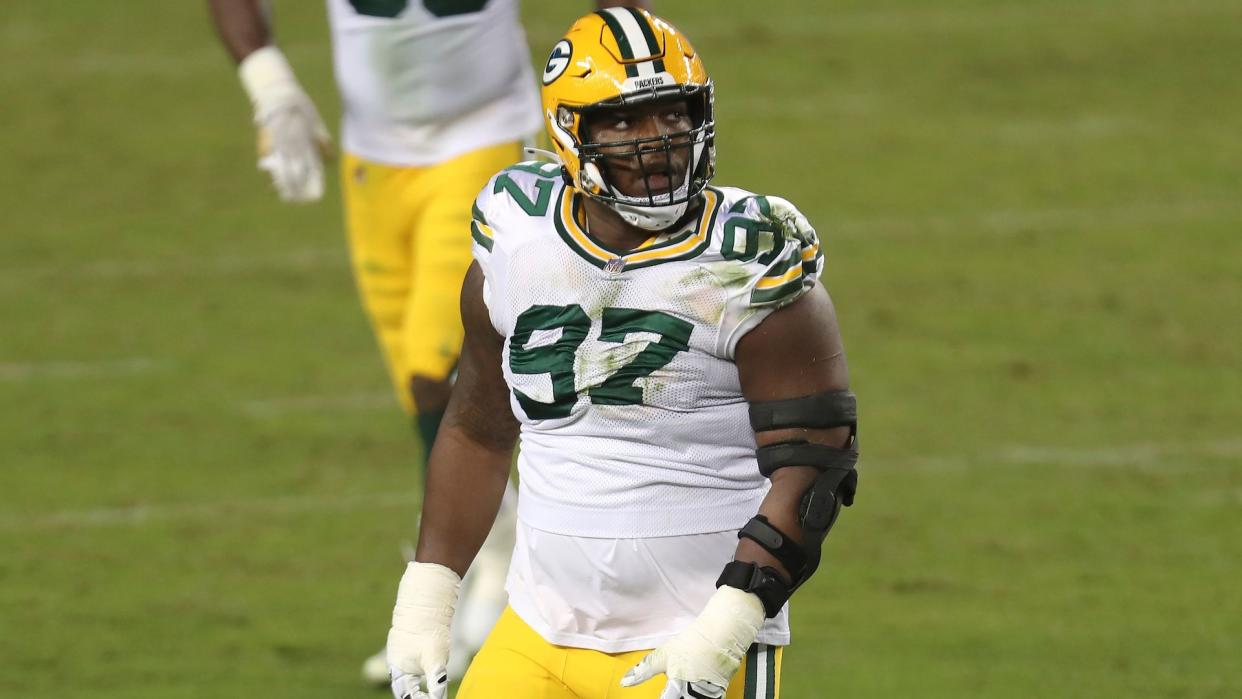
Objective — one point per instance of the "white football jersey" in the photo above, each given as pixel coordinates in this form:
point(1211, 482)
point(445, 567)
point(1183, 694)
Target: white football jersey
point(633, 423)
point(632, 419)
point(422, 81)
point(619, 595)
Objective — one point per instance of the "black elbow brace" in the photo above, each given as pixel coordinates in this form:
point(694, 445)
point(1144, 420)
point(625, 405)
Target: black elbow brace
point(838, 480)
point(833, 488)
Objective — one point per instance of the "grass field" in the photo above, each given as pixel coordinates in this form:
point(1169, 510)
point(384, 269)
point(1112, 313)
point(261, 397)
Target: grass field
point(1033, 213)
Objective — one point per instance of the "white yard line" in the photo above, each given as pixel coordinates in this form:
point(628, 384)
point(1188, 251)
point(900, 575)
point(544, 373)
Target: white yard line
point(128, 65)
point(933, 19)
point(1011, 221)
point(1141, 456)
point(367, 401)
point(1217, 498)
point(1151, 458)
point(1005, 221)
point(303, 259)
point(1137, 454)
point(21, 372)
point(141, 515)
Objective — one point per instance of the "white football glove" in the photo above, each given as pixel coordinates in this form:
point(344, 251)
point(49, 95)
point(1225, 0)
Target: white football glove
point(418, 642)
point(701, 660)
point(292, 139)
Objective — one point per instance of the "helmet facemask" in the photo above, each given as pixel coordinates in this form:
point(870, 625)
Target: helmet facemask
point(659, 206)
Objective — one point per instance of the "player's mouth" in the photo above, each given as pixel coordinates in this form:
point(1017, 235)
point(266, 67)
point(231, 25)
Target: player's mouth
point(655, 176)
point(659, 181)
point(661, 177)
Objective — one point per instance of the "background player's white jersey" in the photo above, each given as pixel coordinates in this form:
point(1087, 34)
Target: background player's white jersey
point(632, 419)
point(637, 459)
point(419, 88)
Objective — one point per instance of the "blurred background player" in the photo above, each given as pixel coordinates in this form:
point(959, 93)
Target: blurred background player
point(437, 96)
point(674, 369)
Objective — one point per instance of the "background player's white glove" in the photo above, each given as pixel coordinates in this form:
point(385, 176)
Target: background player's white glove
point(292, 138)
point(418, 642)
point(700, 661)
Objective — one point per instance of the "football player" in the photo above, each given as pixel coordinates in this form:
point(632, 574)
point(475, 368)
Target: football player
point(673, 367)
point(437, 95)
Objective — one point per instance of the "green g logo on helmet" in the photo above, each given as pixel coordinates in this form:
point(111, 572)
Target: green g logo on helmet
point(558, 61)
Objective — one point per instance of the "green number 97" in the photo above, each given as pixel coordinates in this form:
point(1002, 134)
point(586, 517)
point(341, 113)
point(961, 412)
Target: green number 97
point(557, 359)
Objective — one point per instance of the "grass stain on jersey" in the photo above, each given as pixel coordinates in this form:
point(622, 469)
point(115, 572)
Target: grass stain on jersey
point(700, 294)
point(605, 296)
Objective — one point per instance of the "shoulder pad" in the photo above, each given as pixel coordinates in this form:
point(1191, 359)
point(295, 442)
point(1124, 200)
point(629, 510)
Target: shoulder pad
point(522, 190)
point(775, 243)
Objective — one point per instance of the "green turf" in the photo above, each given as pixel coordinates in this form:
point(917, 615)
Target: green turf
point(1032, 215)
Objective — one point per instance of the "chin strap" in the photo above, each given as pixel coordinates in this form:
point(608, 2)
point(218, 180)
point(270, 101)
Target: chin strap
point(650, 218)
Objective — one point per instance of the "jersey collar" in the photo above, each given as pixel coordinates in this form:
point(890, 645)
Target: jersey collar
point(683, 245)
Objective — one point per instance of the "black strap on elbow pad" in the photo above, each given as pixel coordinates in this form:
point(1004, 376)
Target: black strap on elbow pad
point(817, 512)
point(835, 464)
point(819, 410)
point(766, 583)
point(776, 542)
point(803, 453)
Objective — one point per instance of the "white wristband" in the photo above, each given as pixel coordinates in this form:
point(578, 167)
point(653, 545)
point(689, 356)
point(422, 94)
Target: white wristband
point(428, 591)
point(265, 73)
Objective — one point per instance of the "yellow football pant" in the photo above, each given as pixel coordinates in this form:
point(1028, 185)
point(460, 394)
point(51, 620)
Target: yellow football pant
point(409, 239)
point(516, 663)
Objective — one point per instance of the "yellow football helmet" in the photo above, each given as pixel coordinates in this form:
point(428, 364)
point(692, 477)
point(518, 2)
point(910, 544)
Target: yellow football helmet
point(616, 58)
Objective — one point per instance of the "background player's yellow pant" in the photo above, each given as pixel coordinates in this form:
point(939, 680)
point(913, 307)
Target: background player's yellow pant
point(409, 239)
point(516, 663)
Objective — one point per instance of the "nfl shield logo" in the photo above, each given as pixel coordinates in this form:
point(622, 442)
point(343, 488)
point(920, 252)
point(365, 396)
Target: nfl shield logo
point(615, 266)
